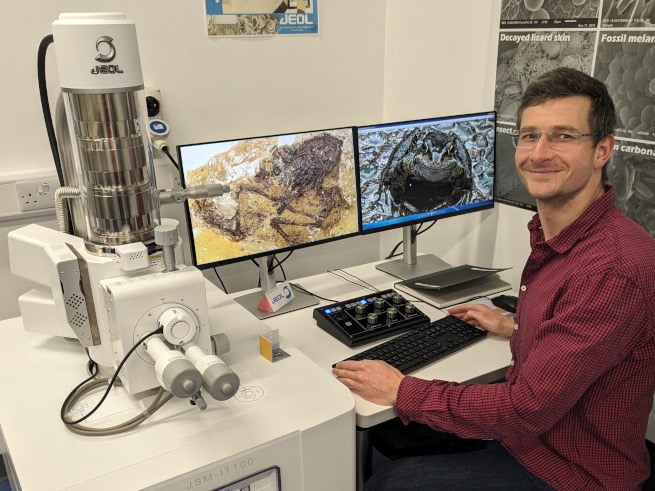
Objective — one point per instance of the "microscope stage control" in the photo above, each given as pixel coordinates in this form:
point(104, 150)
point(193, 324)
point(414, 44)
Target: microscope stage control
point(370, 318)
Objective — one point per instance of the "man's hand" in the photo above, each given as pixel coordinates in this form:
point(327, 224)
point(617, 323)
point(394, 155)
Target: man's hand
point(374, 380)
point(485, 318)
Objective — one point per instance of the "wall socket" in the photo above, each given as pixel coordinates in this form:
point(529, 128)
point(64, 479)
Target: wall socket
point(37, 194)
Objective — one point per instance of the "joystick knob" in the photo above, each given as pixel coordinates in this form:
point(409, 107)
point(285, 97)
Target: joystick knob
point(379, 303)
point(409, 308)
point(372, 318)
point(398, 299)
point(391, 313)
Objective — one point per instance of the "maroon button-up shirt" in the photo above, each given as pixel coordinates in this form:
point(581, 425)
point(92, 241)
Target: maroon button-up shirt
point(575, 406)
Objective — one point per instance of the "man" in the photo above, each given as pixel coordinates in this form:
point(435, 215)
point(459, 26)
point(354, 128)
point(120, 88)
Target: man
point(573, 411)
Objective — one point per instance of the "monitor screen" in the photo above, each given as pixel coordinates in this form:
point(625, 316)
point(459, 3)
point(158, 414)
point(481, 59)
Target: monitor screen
point(286, 191)
point(418, 171)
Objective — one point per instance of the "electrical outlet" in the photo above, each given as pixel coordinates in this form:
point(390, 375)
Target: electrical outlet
point(153, 102)
point(37, 195)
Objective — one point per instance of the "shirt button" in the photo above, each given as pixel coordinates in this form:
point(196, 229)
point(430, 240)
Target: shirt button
point(516, 327)
point(511, 363)
point(523, 288)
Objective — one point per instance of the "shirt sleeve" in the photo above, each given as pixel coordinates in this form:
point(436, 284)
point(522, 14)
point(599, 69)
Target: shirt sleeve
point(587, 336)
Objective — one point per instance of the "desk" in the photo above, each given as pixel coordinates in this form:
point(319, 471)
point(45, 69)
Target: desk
point(37, 372)
point(483, 362)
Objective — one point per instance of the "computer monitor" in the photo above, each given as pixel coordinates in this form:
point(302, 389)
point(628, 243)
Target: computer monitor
point(286, 192)
point(417, 171)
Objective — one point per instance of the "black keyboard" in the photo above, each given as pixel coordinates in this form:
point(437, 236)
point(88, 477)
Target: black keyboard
point(424, 344)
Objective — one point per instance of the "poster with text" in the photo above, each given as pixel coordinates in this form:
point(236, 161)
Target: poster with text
point(235, 18)
point(614, 41)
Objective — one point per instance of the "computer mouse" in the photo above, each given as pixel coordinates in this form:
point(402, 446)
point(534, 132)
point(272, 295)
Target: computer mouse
point(506, 302)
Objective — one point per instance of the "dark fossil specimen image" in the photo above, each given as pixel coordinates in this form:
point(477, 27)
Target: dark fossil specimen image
point(425, 168)
point(281, 194)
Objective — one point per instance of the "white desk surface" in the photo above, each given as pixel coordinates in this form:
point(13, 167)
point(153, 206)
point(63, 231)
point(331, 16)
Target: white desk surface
point(485, 361)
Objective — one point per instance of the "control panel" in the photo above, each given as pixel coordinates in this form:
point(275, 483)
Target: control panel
point(362, 320)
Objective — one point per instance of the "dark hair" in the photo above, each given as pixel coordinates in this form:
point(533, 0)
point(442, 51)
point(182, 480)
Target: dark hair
point(564, 82)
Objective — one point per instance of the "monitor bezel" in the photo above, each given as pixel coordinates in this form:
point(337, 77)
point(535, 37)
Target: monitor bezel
point(272, 252)
point(487, 205)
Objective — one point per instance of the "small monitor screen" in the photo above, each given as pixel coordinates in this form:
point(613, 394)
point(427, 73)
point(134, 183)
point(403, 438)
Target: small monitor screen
point(418, 171)
point(286, 191)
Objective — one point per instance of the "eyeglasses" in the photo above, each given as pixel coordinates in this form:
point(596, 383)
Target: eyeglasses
point(558, 139)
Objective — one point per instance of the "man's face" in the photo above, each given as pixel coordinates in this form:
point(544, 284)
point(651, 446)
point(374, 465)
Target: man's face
point(560, 175)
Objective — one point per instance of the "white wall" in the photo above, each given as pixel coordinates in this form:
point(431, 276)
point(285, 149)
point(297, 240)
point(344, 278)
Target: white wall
point(373, 61)
point(211, 89)
point(440, 60)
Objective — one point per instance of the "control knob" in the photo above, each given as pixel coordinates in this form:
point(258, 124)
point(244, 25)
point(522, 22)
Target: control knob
point(409, 308)
point(372, 318)
point(379, 303)
point(391, 313)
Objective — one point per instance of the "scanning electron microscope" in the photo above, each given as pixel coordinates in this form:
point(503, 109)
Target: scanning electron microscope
point(111, 279)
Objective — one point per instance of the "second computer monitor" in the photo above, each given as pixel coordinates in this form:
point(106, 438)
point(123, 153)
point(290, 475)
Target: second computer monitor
point(417, 171)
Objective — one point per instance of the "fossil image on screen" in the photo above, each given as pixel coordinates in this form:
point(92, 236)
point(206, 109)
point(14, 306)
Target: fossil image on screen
point(632, 174)
point(522, 59)
point(626, 64)
point(284, 191)
point(424, 168)
point(549, 9)
point(628, 13)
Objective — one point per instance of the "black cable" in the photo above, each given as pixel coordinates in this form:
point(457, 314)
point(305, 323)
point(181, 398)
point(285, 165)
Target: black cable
point(393, 254)
point(170, 157)
point(219, 279)
point(45, 104)
point(271, 267)
point(279, 265)
point(297, 286)
point(418, 232)
point(362, 283)
point(62, 412)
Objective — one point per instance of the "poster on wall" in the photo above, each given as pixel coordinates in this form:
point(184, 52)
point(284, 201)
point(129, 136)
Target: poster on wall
point(236, 18)
point(616, 46)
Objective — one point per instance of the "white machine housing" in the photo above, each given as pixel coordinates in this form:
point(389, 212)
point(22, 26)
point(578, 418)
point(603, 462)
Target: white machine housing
point(124, 305)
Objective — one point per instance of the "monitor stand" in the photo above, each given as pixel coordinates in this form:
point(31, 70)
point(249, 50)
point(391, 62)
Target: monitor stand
point(412, 265)
point(250, 301)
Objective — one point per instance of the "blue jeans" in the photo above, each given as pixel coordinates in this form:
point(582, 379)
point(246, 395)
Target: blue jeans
point(489, 468)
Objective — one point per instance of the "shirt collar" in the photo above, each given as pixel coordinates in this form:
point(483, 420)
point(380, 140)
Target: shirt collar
point(571, 234)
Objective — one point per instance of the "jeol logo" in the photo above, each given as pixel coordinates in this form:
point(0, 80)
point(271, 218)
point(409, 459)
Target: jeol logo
point(105, 58)
point(106, 53)
point(296, 20)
